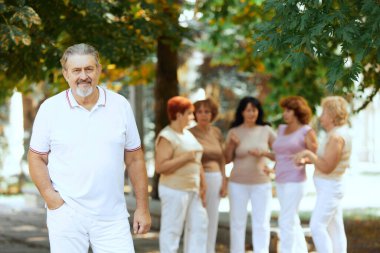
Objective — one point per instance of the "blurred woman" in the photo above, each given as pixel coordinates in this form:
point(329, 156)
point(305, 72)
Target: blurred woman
point(331, 162)
point(247, 140)
point(213, 163)
point(178, 160)
point(292, 137)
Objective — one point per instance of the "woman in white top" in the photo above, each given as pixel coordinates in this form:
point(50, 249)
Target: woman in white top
point(181, 186)
point(331, 162)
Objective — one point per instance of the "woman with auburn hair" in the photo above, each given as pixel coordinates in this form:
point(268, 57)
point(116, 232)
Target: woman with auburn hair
point(249, 138)
point(213, 163)
point(292, 137)
point(331, 163)
point(181, 185)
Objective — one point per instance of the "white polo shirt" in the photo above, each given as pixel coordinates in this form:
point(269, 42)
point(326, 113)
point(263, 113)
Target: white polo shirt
point(86, 150)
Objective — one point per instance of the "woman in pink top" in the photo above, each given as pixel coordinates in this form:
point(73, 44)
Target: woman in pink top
point(292, 137)
point(247, 139)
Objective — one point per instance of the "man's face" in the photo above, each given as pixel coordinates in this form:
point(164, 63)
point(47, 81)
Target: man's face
point(82, 74)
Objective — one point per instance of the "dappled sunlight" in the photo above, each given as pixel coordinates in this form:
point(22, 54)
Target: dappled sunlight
point(148, 235)
point(153, 50)
point(25, 228)
point(37, 239)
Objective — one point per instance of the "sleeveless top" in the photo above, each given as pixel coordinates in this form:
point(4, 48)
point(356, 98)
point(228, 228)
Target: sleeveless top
point(344, 163)
point(212, 142)
point(248, 169)
point(285, 147)
point(186, 178)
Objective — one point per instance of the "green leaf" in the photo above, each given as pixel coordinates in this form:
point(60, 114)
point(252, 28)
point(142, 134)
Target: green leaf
point(3, 8)
point(27, 16)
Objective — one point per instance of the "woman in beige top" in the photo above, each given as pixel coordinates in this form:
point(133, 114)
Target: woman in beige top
point(178, 160)
point(331, 162)
point(213, 163)
point(247, 142)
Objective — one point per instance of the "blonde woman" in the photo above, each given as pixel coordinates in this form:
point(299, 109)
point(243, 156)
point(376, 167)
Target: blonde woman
point(331, 162)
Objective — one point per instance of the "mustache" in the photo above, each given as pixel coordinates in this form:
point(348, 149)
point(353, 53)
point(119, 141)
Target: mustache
point(87, 80)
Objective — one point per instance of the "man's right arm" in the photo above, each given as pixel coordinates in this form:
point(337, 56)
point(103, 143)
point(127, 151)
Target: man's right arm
point(40, 175)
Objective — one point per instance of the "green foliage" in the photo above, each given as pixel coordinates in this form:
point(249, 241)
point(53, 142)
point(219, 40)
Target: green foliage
point(228, 28)
point(303, 46)
point(342, 37)
point(310, 48)
point(16, 22)
point(35, 33)
point(230, 40)
point(15, 25)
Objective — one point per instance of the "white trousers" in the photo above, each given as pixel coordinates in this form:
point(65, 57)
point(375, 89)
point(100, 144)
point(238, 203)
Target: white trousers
point(181, 209)
point(326, 222)
point(260, 196)
point(74, 233)
point(214, 184)
point(292, 239)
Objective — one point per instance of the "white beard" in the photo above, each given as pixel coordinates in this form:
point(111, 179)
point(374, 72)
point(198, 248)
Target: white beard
point(84, 92)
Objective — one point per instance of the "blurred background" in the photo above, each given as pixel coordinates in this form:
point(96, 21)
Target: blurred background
point(152, 50)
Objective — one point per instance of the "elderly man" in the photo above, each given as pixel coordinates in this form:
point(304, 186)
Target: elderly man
point(82, 137)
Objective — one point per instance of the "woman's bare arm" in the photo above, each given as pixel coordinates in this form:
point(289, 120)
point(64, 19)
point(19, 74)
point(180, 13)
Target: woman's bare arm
point(329, 160)
point(165, 162)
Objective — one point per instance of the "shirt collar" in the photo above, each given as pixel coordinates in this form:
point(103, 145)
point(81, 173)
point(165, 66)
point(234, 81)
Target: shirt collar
point(73, 103)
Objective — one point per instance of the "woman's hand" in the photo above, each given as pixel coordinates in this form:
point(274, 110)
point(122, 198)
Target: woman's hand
point(234, 140)
point(303, 157)
point(268, 171)
point(190, 156)
point(256, 152)
point(202, 194)
point(224, 189)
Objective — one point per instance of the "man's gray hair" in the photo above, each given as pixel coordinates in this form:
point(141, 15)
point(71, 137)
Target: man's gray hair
point(79, 49)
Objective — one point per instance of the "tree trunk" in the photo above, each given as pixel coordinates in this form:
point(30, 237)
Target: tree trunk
point(166, 87)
